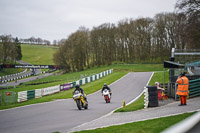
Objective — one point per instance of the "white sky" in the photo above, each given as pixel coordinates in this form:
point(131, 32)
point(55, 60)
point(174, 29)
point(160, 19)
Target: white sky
point(57, 19)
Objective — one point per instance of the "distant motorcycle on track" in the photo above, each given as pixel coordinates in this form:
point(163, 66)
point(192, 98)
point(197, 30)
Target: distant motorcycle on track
point(106, 95)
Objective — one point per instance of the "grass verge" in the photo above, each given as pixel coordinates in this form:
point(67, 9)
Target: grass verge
point(148, 126)
point(11, 71)
point(137, 105)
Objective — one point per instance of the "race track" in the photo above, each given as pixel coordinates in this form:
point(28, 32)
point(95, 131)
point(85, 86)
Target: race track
point(63, 115)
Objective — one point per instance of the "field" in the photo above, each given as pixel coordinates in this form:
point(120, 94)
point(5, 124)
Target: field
point(37, 54)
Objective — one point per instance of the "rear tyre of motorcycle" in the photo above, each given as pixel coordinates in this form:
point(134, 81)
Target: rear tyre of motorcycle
point(78, 102)
point(109, 101)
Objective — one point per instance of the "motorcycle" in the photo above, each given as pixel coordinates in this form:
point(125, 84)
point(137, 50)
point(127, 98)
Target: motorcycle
point(106, 95)
point(80, 101)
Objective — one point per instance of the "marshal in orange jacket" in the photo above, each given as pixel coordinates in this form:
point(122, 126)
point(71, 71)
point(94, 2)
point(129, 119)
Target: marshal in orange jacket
point(183, 84)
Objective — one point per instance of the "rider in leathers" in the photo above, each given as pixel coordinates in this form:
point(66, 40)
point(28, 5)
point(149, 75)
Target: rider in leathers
point(105, 87)
point(77, 87)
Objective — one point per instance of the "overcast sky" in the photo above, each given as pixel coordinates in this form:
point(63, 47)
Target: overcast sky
point(57, 19)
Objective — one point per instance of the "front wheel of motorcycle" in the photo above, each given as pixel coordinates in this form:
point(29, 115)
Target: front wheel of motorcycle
point(106, 100)
point(78, 102)
point(86, 106)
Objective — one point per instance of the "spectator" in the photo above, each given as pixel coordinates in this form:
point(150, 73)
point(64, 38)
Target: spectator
point(161, 94)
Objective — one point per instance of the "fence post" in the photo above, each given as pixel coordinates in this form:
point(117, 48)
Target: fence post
point(175, 91)
point(0, 98)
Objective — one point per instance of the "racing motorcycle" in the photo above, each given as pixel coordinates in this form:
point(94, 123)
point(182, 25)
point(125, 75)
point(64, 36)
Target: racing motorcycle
point(106, 95)
point(80, 101)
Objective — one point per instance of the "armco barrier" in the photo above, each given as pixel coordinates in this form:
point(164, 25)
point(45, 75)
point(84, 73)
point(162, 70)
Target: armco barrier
point(26, 95)
point(30, 94)
point(194, 88)
point(50, 90)
point(38, 93)
point(22, 96)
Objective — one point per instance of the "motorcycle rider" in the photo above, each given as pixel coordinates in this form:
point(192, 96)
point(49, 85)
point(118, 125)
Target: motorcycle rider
point(106, 87)
point(77, 87)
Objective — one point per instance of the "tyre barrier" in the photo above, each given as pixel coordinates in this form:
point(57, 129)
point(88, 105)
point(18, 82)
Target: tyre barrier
point(150, 96)
point(153, 96)
point(146, 98)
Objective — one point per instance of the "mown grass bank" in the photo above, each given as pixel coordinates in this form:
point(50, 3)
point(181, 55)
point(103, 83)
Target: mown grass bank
point(10, 71)
point(38, 54)
point(148, 126)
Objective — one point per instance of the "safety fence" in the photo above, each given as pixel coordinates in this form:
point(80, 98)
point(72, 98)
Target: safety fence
point(5, 79)
point(31, 94)
point(194, 88)
point(7, 97)
point(6, 76)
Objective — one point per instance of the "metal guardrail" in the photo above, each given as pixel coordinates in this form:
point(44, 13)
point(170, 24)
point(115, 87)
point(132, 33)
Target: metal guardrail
point(185, 125)
point(194, 88)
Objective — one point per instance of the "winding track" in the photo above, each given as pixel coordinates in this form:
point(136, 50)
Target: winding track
point(62, 115)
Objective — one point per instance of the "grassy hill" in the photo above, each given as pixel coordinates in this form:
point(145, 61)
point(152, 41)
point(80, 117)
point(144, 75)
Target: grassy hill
point(38, 54)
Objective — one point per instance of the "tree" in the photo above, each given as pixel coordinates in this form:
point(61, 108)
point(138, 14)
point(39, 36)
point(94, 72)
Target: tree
point(18, 49)
point(192, 12)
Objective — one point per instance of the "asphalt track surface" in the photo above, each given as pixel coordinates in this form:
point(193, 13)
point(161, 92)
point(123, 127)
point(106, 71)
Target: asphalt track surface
point(63, 115)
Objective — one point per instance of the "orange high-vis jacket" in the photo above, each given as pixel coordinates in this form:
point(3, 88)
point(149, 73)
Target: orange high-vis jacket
point(183, 84)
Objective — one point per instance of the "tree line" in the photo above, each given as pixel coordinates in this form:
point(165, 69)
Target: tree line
point(35, 40)
point(132, 40)
point(10, 49)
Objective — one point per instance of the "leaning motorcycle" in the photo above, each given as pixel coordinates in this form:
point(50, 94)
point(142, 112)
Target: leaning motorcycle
point(80, 101)
point(106, 95)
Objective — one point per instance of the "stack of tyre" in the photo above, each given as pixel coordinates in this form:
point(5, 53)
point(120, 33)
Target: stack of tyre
point(153, 96)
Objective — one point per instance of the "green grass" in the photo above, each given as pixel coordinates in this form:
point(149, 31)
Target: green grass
point(159, 77)
point(148, 126)
point(137, 105)
point(138, 67)
point(10, 71)
point(37, 54)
